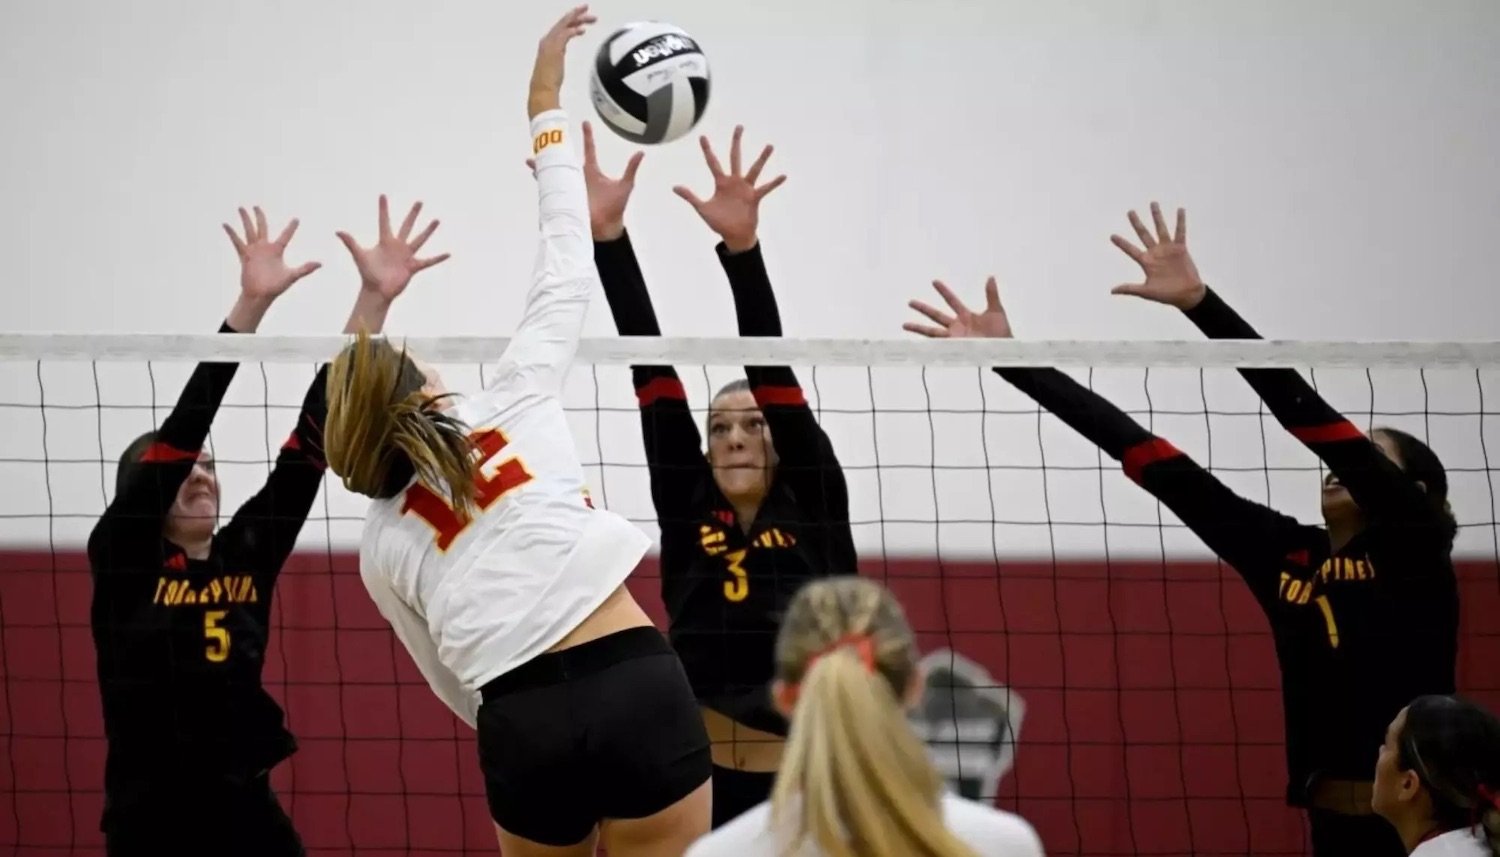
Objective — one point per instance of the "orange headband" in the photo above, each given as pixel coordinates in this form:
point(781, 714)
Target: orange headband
point(863, 646)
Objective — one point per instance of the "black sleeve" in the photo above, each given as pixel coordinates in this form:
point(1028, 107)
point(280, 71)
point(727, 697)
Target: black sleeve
point(129, 533)
point(807, 459)
point(1250, 537)
point(1376, 483)
point(265, 529)
point(674, 451)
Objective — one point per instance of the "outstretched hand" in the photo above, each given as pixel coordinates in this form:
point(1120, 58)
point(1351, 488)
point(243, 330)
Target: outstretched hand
point(734, 209)
point(607, 196)
point(551, 56)
point(387, 266)
point(964, 322)
point(264, 273)
point(1171, 276)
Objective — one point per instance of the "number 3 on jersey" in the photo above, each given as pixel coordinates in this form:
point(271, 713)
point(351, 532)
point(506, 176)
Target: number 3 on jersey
point(737, 587)
point(447, 524)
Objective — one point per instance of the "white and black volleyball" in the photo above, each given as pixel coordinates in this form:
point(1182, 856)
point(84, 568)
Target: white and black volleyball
point(650, 82)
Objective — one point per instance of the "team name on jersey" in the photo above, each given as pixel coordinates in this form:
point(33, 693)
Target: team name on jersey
point(661, 47)
point(1342, 569)
point(227, 589)
point(1301, 591)
point(714, 540)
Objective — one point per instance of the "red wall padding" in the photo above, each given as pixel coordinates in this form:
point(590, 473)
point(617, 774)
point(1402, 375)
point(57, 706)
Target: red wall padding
point(1152, 715)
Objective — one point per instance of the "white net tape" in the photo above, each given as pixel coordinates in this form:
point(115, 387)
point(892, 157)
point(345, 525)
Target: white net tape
point(703, 351)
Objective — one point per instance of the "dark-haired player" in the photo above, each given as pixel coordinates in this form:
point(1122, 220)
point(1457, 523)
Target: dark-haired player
point(746, 525)
point(181, 612)
point(1364, 609)
point(1437, 778)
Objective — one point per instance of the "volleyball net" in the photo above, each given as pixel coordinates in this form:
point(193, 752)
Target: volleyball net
point(1091, 666)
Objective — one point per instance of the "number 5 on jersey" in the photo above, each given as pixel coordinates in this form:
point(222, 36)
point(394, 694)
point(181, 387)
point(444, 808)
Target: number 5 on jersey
point(216, 638)
point(447, 524)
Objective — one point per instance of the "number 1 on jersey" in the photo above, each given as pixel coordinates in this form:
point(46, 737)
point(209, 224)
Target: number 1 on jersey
point(1333, 627)
point(447, 524)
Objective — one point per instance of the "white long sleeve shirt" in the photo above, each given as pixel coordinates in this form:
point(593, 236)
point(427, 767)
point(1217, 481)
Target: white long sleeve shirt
point(990, 832)
point(471, 603)
point(1455, 843)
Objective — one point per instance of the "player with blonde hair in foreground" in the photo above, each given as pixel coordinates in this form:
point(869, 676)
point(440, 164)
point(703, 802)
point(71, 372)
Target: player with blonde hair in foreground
point(484, 553)
point(855, 779)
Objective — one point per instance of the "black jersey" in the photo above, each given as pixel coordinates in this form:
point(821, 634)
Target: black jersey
point(725, 588)
point(1359, 632)
point(181, 642)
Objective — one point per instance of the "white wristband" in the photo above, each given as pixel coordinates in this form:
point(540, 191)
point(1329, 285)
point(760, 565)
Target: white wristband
point(550, 139)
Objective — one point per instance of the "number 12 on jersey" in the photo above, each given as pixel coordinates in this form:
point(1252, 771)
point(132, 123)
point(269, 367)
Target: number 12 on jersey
point(447, 524)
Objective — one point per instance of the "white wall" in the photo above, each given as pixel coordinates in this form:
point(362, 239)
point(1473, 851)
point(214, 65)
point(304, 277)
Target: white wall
point(1338, 160)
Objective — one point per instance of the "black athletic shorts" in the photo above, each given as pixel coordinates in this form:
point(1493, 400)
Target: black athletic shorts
point(608, 729)
point(737, 792)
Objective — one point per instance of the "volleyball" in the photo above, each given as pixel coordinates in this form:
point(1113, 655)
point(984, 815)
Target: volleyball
point(650, 82)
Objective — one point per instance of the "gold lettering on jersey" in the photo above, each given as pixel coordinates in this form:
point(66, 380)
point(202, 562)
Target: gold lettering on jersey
point(1294, 591)
point(774, 538)
point(1302, 592)
point(1344, 570)
point(228, 589)
point(713, 540)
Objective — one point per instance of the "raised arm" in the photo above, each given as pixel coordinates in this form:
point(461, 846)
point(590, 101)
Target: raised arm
point(674, 451)
point(807, 459)
point(265, 528)
point(267, 525)
point(806, 455)
point(129, 532)
point(1250, 537)
point(1377, 485)
point(542, 349)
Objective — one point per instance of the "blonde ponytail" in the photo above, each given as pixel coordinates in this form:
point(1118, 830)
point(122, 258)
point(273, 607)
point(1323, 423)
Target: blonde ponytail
point(855, 779)
point(383, 429)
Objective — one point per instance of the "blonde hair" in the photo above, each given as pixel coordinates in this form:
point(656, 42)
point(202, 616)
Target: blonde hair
point(866, 786)
point(383, 429)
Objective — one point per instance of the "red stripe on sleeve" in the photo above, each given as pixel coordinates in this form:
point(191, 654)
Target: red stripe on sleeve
point(660, 388)
point(294, 444)
point(787, 396)
point(1137, 458)
point(161, 453)
point(1328, 433)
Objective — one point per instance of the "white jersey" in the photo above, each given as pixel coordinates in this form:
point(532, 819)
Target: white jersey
point(1467, 842)
point(474, 602)
point(990, 832)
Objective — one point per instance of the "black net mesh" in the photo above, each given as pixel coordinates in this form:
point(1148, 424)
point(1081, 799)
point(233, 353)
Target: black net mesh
point(1090, 665)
